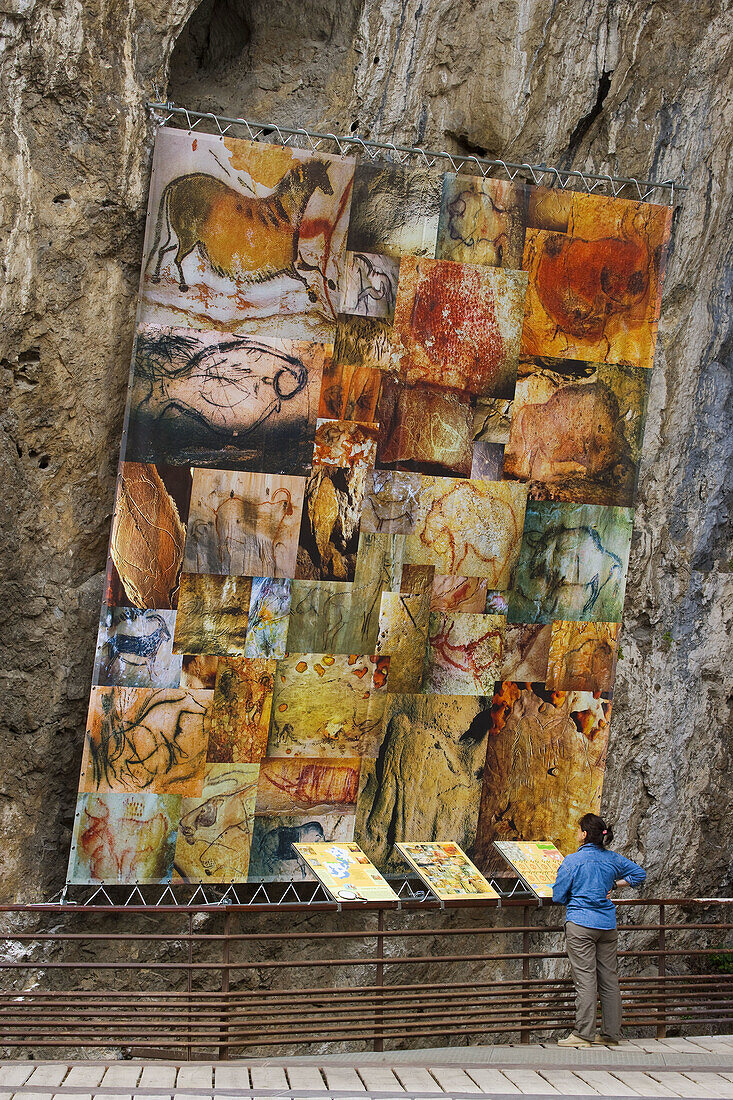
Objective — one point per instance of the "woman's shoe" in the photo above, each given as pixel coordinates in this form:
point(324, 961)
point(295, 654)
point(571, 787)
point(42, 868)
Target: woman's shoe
point(605, 1040)
point(573, 1040)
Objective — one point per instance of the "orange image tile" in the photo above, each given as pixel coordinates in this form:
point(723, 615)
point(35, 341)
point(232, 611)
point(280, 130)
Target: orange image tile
point(345, 443)
point(146, 739)
point(350, 392)
point(583, 656)
point(459, 325)
point(215, 830)
point(243, 524)
point(470, 528)
point(595, 289)
point(544, 765)
point(307, 786)
point(424, 428)
point(452, 593)
point(240, 716)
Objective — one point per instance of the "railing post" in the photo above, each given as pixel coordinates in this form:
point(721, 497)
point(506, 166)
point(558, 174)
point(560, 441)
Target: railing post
point(189, 983)
point(224, 1033)
point(379, 983)
point(525, 1000)
point(661, 971)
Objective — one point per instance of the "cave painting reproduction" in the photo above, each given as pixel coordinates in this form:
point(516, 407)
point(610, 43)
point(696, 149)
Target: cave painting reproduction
point(572, 564)
point(544, 765)
point(373, 514)
point(595, 287)
point(228, 401)
point(243, 524)
point(147, 540)
point(121, 838)
point(482, 221)
point(215, 829)
point(245, 237)
point(582, 656)
point(459, 325)
point(212, 615)
point(326, 705)
point(576, 430)
point(394, 210)
point(370, 285)
point(240, 715)
point(135, 649)
point(142, 739)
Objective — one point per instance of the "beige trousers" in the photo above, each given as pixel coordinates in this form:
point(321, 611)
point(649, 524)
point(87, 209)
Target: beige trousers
point(592, 954)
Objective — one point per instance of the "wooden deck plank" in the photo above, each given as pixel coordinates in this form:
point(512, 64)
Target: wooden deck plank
point(492, 1080)
point(195, 1075)
point(721, 1043)
point(11, 1075)
point(308, 1078)
point(722, 1088)
point(453, 1079)
point(157, 1077)
point(529, 1082)
point(153, 1077)
point(643, 1083)
point(417, 1079)
point(567, 1082)
point(343, 1079)
point(84, 1075)
point(231, 1077)
point(269, 1077)
point(121, 1075)
point(604, 1082)
point(51, 1074)
point(683, 1085)
point(379, 1079)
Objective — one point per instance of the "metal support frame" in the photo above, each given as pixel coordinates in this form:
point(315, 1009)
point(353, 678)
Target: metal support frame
point(269, 895)
point(349, 144)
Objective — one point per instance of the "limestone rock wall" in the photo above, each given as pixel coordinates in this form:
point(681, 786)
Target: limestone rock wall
point(637, 88)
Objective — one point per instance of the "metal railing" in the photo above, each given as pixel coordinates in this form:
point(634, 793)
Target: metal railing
point(221, 980)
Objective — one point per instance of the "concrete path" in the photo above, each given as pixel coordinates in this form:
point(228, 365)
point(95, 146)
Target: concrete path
point(682, 1068)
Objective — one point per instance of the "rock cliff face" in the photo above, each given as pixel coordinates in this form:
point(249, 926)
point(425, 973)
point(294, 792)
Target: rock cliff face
point(634, 88)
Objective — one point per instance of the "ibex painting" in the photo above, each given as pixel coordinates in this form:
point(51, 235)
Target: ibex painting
point(249, 240)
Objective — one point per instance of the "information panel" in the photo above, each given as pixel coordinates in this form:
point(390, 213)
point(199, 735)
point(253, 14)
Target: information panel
point(447, 870)
point(346, 872)
point(535, 861)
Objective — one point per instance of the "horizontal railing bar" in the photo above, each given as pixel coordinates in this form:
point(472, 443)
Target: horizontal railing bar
point(378, 994)
point(537, 986)
point(387, 933)
point(377, 1000)
point(213, 1022)
point(386, 960)
point(519, 983)
point(639, 1021)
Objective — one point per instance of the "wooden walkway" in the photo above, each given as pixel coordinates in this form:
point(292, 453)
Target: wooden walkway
point(681, 1068)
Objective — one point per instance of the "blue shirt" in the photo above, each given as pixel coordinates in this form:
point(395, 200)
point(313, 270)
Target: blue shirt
point(585, 877)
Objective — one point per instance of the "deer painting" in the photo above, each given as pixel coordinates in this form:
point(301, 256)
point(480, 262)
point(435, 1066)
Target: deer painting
point(249, 240)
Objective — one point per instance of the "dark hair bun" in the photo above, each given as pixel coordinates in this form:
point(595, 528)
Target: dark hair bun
point(596, 830)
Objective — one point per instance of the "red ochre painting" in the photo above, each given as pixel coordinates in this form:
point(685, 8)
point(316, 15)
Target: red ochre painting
point(369, 546)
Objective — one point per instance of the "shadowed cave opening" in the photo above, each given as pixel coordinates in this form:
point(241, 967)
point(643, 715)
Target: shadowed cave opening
point(269, 60)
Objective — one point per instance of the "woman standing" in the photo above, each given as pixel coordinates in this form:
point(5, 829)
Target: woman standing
point(584, 883)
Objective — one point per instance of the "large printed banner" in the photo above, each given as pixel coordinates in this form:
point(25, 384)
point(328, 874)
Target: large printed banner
point(373, 514)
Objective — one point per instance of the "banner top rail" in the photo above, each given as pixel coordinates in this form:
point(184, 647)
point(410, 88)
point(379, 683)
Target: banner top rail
point(564, 178)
